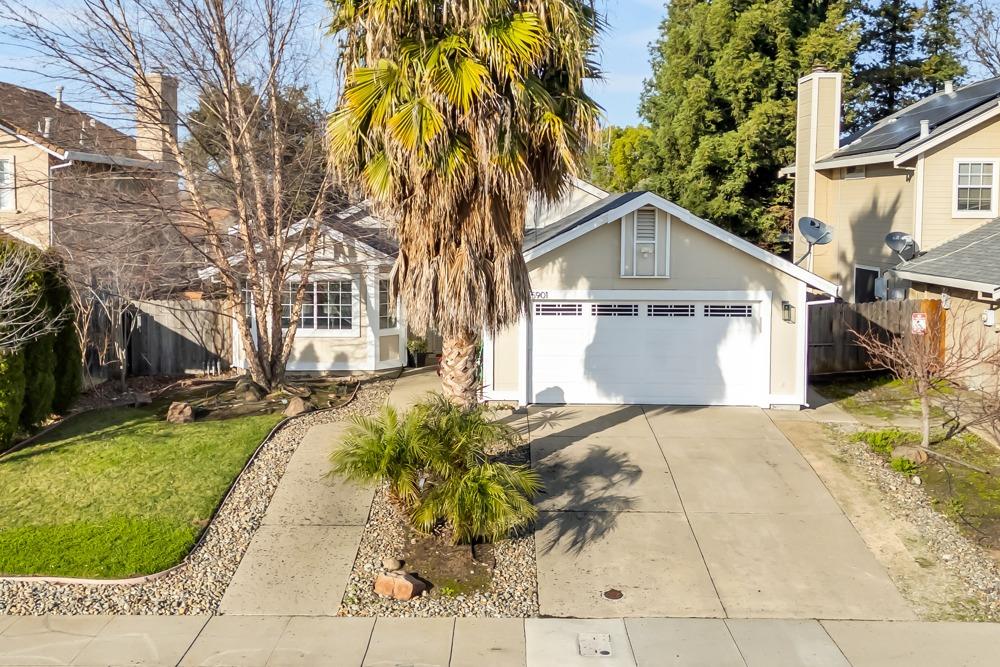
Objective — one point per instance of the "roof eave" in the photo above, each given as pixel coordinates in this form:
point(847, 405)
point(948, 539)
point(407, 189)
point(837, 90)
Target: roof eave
point(945, 281)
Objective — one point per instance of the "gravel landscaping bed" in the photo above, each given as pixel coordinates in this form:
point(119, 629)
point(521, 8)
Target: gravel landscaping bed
point(513, 592)
point(968, 562)
point(198, 584)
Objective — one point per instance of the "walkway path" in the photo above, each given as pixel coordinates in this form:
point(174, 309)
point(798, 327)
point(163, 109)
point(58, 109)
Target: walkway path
point(301, 557)
point(259, 641)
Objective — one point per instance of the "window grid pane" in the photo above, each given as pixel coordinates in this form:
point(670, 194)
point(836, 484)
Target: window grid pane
point(975, 186)
point(386, 320)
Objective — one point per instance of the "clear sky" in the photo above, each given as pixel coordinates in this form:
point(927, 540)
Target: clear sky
point(624, 56)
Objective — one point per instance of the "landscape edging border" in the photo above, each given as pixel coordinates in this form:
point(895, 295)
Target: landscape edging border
point(131, 581)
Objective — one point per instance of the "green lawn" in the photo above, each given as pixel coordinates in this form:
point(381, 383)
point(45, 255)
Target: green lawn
point(118, 492)
point(882, 396)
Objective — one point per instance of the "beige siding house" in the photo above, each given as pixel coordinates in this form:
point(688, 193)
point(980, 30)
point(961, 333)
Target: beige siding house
point(930, 171)
point(636, 300)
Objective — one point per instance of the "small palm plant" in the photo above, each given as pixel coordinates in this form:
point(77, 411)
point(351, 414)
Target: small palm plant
point(436, 461)
point(387, 448)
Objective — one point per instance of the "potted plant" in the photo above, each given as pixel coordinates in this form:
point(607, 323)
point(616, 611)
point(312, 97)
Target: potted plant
point(418, 352)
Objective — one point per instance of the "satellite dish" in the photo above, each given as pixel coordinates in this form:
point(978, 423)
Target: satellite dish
point(902, 244)
point(815, 231)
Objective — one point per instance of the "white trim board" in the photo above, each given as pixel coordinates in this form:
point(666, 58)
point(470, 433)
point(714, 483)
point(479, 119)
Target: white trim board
point(682, 214)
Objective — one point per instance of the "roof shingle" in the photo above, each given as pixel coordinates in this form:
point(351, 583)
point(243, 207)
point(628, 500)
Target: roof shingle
point(973, 257)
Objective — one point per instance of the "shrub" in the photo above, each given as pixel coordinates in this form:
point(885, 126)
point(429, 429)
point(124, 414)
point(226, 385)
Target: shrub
point(436, 460)
point(388, 448)
point(11, 394)
point(68, 371)
point(904, 466)
point(885, 440)
point(40, 380)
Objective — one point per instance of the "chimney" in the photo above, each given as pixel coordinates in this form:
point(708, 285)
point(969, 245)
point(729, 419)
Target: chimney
point(59, 92)
point(156, 116)
point(949, 87)
point(817, 132)
point(925, 128)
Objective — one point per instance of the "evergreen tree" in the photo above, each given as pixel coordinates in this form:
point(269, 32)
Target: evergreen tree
point(889, 69)
point(941, 45)
point(722, 99)
point(623, 160)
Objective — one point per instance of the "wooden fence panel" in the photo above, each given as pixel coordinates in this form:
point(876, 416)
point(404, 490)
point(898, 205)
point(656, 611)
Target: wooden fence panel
point(832, 348)
point(180, 336)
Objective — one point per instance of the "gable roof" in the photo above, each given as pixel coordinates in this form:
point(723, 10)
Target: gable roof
point(23, 111)
point(896, 138)
point(352, 224)
point(969, 261)
point(613, 207)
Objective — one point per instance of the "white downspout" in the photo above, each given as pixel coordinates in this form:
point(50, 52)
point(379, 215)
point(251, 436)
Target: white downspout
point(52, 168)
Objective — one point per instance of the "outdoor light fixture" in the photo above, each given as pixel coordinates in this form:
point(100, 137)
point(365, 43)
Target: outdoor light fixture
point(788, 312)
point(945, 300)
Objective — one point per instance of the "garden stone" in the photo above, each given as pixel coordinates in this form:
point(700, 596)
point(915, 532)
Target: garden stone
point(180, 413)
point(298, 406)
point(913, 454)
point(385, 584)
point(391, 564)
point(140, 399)
point(249, 390)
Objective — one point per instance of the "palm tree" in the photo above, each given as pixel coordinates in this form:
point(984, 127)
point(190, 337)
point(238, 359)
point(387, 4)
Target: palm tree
point(452, 114)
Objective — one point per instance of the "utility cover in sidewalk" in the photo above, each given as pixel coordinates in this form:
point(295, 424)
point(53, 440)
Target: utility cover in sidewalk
point(594, 644)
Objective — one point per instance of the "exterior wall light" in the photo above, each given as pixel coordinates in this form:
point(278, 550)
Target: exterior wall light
point(788, 312)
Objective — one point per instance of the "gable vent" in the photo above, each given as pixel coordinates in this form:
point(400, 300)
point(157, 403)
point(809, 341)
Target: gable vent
point(615, 309)
point(670, 310)
point(645, 225)
point(555, 309)
point(716, 310)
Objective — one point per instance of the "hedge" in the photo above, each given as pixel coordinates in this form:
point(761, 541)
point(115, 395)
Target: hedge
point(46, 374)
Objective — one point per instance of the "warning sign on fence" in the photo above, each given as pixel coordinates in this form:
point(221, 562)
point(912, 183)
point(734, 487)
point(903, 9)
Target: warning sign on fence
point(918, 324)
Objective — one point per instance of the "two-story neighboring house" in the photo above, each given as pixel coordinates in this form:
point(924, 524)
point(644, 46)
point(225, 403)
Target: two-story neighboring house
point(930, 170)
point(50, 152)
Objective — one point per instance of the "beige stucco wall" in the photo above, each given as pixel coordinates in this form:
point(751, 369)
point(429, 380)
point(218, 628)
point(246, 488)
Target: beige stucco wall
point(697, 262)
point(31, 169)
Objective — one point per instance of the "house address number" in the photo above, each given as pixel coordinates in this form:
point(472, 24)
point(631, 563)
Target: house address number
point(539, 295)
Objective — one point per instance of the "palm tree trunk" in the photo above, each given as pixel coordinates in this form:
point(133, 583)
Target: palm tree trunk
point(459, 372)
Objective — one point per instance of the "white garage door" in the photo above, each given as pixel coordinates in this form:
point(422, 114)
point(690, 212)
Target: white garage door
point(659, 352)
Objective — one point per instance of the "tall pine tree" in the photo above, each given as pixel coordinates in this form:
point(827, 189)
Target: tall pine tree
point(888, 71)
point(940, 45)
point(722, 98)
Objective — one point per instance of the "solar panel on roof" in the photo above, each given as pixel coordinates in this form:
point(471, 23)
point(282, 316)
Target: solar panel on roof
point(938, 110)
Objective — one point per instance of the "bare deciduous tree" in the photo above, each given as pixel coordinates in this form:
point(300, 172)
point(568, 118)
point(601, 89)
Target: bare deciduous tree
point(980, 30)
point(240, 185)
point(23, 317)
point(944, 366)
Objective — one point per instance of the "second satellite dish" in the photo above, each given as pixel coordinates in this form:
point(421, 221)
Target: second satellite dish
point(902, 244)
point(815, 231)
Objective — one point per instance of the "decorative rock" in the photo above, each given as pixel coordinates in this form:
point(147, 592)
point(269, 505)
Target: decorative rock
point(249, 391)
point(298, 406)
point(391, 564)
point(385, 584)
point(913, 454)
point(915, 480)
point(180, 413)
point(407, 587)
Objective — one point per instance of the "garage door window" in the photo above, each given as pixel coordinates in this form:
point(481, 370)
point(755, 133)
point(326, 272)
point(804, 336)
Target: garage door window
point(670, 310)
point(718, 310)
point(615, 309)
point(557, 309)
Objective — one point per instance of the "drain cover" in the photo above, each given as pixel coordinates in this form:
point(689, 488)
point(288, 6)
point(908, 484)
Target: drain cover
point(594, 644)
point(613, 594)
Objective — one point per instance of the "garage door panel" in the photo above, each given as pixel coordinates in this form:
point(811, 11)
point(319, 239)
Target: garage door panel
point(655, 352)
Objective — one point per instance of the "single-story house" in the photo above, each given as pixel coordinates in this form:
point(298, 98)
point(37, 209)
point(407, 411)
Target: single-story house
point(637, 300)
point(347, 322)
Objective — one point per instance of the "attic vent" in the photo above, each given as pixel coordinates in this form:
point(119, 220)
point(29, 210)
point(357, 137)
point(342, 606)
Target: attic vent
point(615, 309)
point(645, 225)
point(715, 310)
point(548, 309)
point(670, 310)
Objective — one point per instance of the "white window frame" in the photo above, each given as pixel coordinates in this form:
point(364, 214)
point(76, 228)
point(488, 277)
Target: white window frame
point(631, 243)
point(12, 207)
point(378, 308)
point(355, 330)
point(992, 213)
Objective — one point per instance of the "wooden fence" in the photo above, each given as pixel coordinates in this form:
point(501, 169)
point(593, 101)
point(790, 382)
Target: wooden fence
point(180, 336)
point(832, 347)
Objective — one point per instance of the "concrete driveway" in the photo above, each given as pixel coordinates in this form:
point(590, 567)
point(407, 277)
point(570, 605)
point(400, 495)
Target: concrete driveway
point(692, 512)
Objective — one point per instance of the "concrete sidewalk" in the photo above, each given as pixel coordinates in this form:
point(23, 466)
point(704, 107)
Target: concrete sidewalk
point(261, 641)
